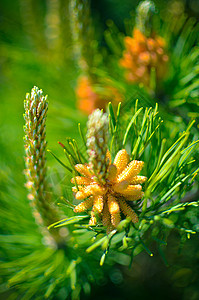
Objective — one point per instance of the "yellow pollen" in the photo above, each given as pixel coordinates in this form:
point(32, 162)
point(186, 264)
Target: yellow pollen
point(82, 169)
point(109, 199)
point(121, 160)
point(133, 168)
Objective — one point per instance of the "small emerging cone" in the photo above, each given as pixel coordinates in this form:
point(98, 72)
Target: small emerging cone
point(145, 17)
point(97, 141)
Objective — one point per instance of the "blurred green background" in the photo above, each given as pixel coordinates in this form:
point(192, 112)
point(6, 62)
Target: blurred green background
point(34, 53)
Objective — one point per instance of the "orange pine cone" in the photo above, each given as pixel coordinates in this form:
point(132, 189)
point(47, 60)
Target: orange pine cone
point(88, 99)
point(141, 54)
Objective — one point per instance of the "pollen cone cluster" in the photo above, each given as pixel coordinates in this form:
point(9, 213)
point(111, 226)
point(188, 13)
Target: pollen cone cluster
point(141, 54)
point(109, 199)
point(88, 99)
